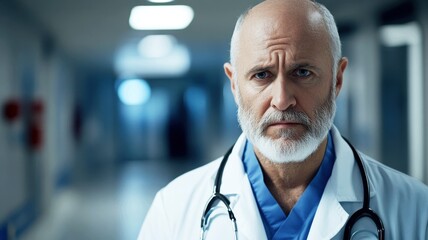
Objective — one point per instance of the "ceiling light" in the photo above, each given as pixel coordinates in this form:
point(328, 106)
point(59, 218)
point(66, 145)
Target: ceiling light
point(130, 62)
point(156, 46)
point(160, 1)
point(161, 17)
point(399, 35)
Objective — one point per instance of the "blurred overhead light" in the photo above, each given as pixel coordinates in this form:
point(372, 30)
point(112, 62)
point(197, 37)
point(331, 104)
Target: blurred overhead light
point(130, 62)
point(156, 46)
point(160, 1)
point(160, 17)
point(134, 91)
point(399, 35)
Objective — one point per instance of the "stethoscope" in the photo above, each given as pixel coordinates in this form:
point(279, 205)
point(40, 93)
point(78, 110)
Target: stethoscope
point(365, 211)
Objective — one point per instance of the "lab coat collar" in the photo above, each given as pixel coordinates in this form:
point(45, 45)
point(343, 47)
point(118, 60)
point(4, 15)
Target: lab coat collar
point(238, 189)
point(234, 173)
point(344, 185)
point(346, 177)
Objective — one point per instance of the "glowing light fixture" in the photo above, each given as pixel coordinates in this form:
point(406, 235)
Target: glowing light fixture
point(134, 91)
point(131, 61)
point(160, 1)
point(161, 17)
point(157, 46)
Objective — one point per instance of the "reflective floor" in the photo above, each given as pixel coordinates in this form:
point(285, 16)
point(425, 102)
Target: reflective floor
point(106, 204)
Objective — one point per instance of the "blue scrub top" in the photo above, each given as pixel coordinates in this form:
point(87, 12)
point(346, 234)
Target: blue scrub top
point(298, 222)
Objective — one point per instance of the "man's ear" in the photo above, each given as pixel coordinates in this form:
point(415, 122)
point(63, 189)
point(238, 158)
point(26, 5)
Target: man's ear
point(339, 75)
point(228, 70)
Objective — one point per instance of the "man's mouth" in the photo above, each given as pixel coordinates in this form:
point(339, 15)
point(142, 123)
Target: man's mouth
point(284, 124)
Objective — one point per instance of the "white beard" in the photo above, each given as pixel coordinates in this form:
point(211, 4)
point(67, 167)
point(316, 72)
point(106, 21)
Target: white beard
point(288, 147)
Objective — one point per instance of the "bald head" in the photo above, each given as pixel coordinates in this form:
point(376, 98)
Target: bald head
point(292, 15)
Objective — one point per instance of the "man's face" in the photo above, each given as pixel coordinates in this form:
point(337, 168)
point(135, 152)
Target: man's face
point(283, 84)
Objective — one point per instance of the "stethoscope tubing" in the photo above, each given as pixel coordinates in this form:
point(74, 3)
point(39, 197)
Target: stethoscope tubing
point(365, 211)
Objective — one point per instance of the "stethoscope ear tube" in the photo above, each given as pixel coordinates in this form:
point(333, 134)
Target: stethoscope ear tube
point(219, 175)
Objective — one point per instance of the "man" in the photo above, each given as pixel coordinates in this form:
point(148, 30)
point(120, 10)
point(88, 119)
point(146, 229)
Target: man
point(290, 175)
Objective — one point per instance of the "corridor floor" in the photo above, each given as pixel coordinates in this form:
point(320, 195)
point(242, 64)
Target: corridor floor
point(108, 204)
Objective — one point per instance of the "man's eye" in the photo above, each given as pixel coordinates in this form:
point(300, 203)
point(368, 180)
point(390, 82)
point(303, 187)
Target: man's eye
point(262, 75)
point(302, 73)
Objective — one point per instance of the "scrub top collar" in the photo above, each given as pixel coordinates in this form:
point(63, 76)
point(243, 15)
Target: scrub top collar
point(297, 223)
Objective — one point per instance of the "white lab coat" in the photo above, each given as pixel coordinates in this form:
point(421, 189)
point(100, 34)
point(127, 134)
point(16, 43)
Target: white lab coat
point(399, 200)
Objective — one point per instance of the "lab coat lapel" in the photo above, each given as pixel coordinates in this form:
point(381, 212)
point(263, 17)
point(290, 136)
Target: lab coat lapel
point(344, 185)
point(236, 184)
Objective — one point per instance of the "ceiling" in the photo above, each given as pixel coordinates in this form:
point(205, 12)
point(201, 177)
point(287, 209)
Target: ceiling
point(92, 31)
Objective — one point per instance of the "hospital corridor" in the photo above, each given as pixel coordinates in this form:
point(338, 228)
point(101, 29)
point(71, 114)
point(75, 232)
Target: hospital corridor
point(104, 102)
point(110, 204)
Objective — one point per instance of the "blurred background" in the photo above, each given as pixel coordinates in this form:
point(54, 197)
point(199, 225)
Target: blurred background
point(100, 109)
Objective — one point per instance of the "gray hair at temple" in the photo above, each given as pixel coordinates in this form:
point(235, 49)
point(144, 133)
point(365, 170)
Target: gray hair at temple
point(330, 24)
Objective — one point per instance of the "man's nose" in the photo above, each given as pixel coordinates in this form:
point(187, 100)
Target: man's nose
point(282, 94)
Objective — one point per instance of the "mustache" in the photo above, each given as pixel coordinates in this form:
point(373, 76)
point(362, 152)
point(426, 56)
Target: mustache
point(289, 115)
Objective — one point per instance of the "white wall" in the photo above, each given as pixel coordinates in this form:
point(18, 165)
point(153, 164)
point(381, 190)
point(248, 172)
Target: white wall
point(29, 74)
